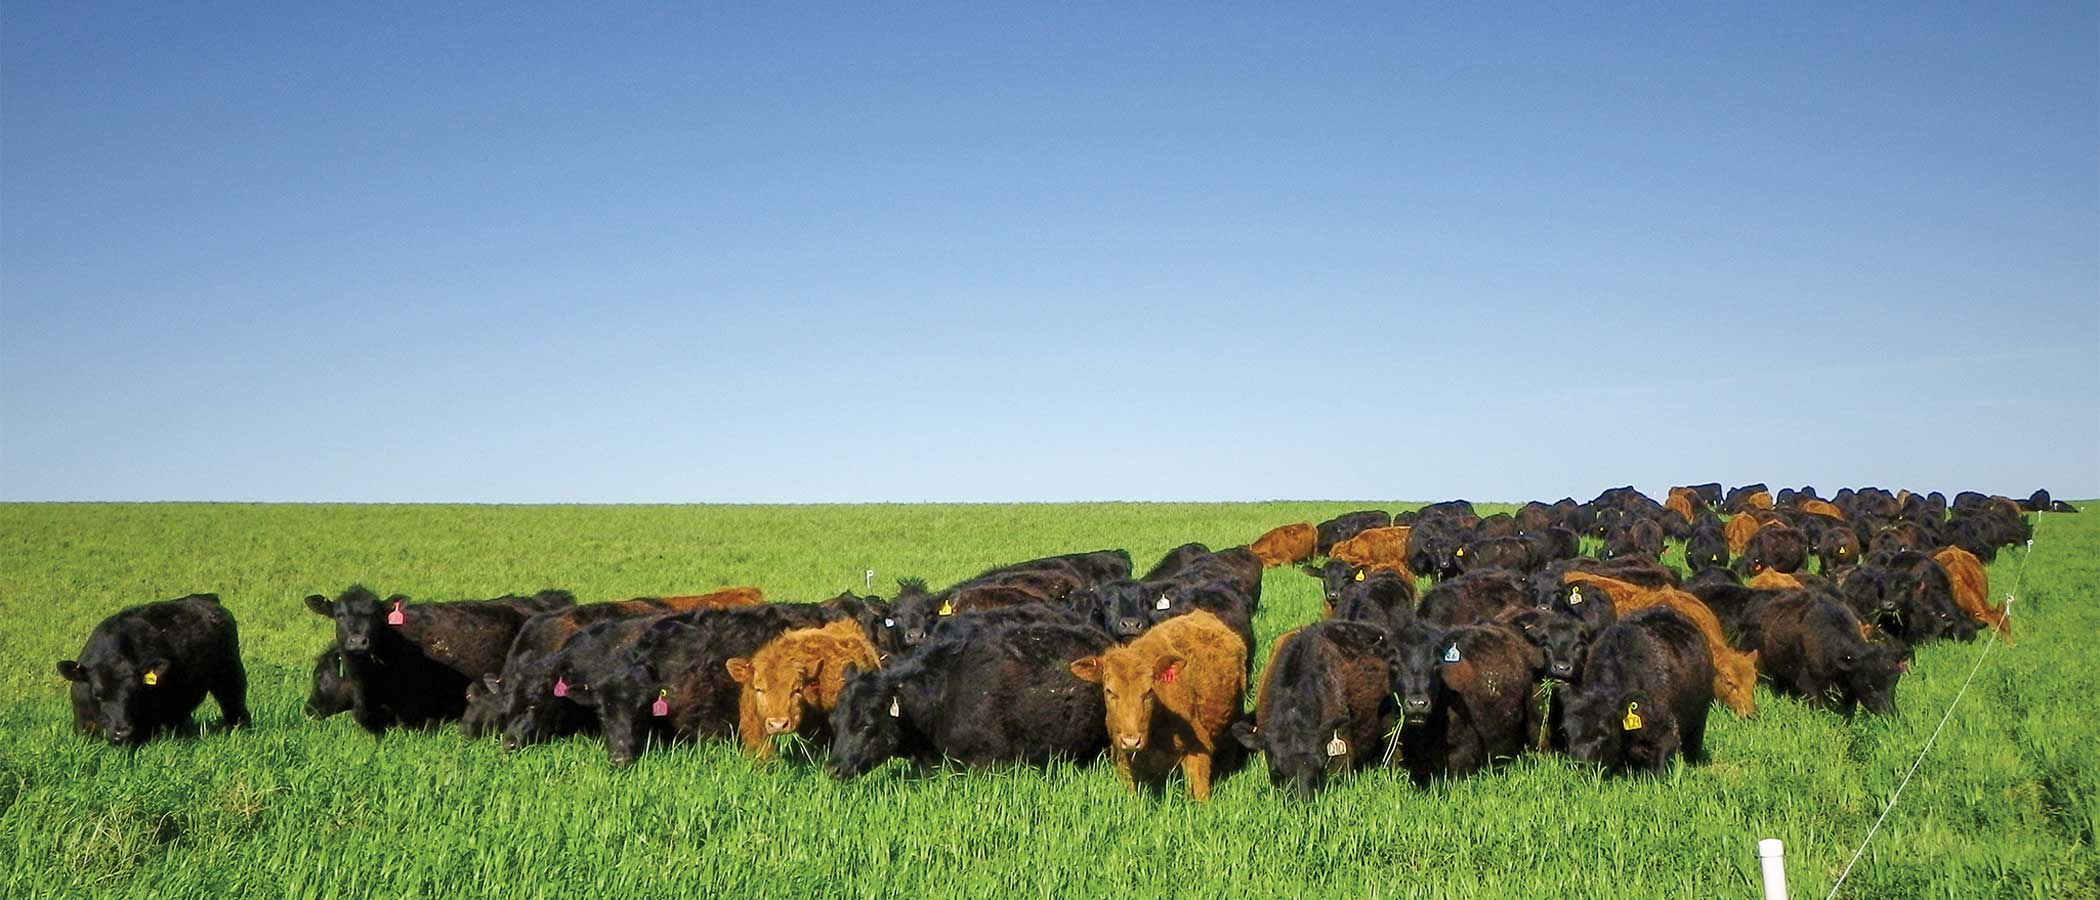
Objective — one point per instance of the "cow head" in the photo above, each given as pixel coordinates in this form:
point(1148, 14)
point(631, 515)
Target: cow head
point(122, 692)
point(1416, 655)
point(358, 615)
point(1559, 638)
point(869, 721)
point(331, 692)
point(1130, 681)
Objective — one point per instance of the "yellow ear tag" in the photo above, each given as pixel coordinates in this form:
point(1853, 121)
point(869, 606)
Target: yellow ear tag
point(152, 678)
point(948, 608)
point(1461, 551)
point(1359, 576)
point(1633, 719)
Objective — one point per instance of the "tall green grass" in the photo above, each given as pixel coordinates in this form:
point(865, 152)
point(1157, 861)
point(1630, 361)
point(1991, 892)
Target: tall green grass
point(2005, 806)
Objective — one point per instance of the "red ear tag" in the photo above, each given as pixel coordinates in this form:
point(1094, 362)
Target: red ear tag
point(1167, 676)
point(396, 617)
point(561, 687)
point(662, 706)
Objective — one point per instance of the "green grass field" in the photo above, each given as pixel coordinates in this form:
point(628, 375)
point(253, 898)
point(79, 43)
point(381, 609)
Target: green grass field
point(2005, 805)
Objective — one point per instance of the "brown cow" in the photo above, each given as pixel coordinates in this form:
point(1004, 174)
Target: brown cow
point(1972, 590)
point(1822, 508)
point(1171, 696)
point(1684, 502)
point(1618, 591)
point(1376, 548)
point(1739, 530)
point(722, 599)
point(793, 681)
point(1285, 544)
point(1772, 580)
point(1735, 672)
point(1759, 500)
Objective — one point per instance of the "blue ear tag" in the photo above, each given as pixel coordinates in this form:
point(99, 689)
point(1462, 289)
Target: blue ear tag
point(1451, 655)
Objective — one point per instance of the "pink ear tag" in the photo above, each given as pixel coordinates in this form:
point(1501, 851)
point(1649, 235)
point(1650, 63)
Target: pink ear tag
point(662, 706)
point(561, 687)
point(1903, 666)
point(396, 617)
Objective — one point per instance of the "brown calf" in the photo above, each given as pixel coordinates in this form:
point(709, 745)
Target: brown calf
point(1739, 530)
point(722, 599)
point(1684, 502)
point(1376, 548)
point(1822, 508)
point(1172, 696)
point(1972, 588)
point(792, 683)
point(1286, 544)
point(1773, 580)
point(1735, 672)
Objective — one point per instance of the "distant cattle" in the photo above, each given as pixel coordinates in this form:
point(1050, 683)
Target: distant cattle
point(146, 668)
point(1643, 696)
point(1286, 544)
point(1170, 698)
point(1739, 531)
point(1778, 548)
point(1346, 526)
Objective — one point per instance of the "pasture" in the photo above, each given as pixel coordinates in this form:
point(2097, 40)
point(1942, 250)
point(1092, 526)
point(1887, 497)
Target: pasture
point(2007, 805)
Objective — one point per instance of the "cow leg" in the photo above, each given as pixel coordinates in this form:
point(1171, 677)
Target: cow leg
point(231, 693)
point(1196, 768)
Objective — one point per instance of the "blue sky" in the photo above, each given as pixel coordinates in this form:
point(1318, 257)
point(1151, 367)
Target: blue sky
point(579, 253)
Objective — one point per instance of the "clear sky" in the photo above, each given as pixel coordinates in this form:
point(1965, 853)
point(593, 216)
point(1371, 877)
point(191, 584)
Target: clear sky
point(589, 252)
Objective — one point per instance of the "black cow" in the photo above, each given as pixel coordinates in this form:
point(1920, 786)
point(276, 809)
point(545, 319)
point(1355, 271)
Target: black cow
point(331, 691)
point(1464, 695)
point(563, 697)
point(1774, 549)
point(146, 668)
point(410, 663)
point(1837, 548)
point(1644, 694)
point(1471, 598)
point(1511, 554)
point(1384, 598)
point(1810, 647)
point(978, 696)
point(1322, 710)
point(1346, 526)
point(1707, 548)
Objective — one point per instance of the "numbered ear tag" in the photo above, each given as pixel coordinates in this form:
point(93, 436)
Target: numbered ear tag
point(1575, 597)
point(662, 706)
point(561, 687)
point(1167, 675)
point(1337, 746)
point(397, 617)
point(1632, 722)
point(1162, 602)
point(152, 678)
point(896, 710)
point(889, 623)
point(947, 607)
point(1451, 654)
point(1359, 576)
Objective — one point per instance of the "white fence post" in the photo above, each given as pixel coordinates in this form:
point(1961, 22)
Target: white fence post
point(1771, 858)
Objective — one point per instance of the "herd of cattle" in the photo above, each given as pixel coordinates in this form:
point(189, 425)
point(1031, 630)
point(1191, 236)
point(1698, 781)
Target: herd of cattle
point(1520, 642)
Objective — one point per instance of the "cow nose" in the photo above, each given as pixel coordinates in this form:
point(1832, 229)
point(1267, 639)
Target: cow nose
point(1131, 741)
point(1418, 704)
point(1563, 669)
point(356, 643)
point(776, 726)
point(914, 635)
point(1128, 625)
point(120, 735)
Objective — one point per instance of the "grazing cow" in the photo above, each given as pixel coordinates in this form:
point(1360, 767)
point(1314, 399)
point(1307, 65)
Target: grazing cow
point(1322, 708)
point(1641, 539)
point(1176, 560)
point(1384, 598)
point(2059, 506)
point(1822, 508)
point(585, 689)
point(491, 703)
point(1497, 525)
point(146, 668)
point(1536, 516)
point(1837, 548)
point(1346, 526)
point(1376, 548)
point(1643, 696)
point(1773, 580)
point(683, 661)
point(978, 696)
point(1739, 530)
point(1738, 499)
point(1778, 548)
point(1286, 544)
point(331, 692)
point(1734, 672)
point(1971, 589)
point(1926, 609)
point(1170, 698)
point(1471, 598)
point(1810, 647)
point(394, 680)
point(1464, 693)
point(1684, 502)
point(1512, 554)
point(1553, 544)
point(794, 681)
point(1707, 549)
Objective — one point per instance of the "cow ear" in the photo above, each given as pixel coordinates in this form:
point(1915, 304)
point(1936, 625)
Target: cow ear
point(320, 606)
point(154, 670)
point(1312, 570)
point(1244, 732)
point(739, 669)
point(71, 671)
point(1751, 656)
point(494, 682)
point(1168, 667)
point(1087, 668)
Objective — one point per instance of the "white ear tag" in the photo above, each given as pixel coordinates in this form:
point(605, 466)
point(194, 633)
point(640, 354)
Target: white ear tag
point(895, 710)
point(1162, 603)
point(1337, 746)
point(1451, 655)
point(1575, 596)
point(889, 623)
